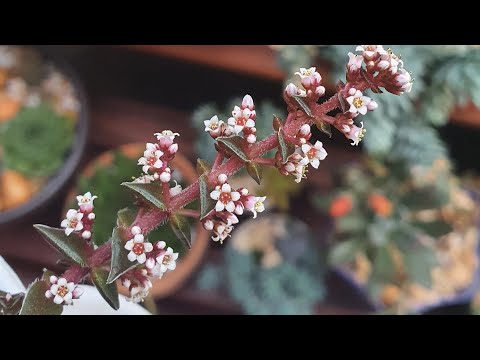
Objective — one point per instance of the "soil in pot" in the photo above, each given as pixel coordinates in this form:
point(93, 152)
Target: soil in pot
point(103, 176)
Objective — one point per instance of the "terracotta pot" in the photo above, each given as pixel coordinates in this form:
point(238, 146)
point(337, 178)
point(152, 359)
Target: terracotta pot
point(171, 281)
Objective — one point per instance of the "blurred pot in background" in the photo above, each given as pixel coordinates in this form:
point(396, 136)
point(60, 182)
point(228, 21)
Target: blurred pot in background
point(103, 176)
point(43, 129)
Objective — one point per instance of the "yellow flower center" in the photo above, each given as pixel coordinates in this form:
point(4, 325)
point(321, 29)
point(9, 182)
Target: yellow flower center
point(258, 204)
point(166, 259)
point(213, 126)
point(62, 291)
point(358, 102)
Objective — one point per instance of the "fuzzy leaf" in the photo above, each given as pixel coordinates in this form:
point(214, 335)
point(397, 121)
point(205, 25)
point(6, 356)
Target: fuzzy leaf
point(35, 302)
point(151, 192)
point(71, 246)
point(181, 228)
point(303, 105)
point(206, 202)
point(255, 171)
point(235, 144)
point(435, 228)
point(11, 306)
point(345, 251)
point(126, 217)
point(324, 127)
point(203, 167)
point(107, 290)
point(286, 149)
point(277, 123)
point(119, 263)
point(383, 266)
point(343, 104)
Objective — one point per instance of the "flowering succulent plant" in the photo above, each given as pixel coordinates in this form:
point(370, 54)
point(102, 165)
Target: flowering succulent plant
point(128, 256)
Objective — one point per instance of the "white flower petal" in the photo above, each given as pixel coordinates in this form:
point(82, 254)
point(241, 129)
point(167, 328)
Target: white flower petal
point(131, 256)
point(230, 206)
point(139, 238)
point(215, 194)
point(53, 279)
point(129, 245)
point(235, 195)
point(219, 206)
point(315, 163)
point(70, 286)
point(62, 282)
point(147, 247)
point(77, 292)
point(68, 297)
point(64, 223)
point(54, 289)
point(142, 258)
point(57, 299)
point(226, 188)
point(172, 265)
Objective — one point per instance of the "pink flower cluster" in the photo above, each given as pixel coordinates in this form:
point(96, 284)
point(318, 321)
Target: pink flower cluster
point(311, 82)
point(82, 219)
point(304, 155)
point(156, 157)
point(242, 121)
point(229, 204)
point(156, 260)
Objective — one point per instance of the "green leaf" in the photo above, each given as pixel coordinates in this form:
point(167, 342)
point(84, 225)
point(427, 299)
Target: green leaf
point(286, 149)
point(35, 302)
point(11, 304)
point(108, 290)
point(119, 262)
point(419, 263)
point(255, 171)
point(181, 228)
point(378, 231)
point(206, 202)
point(435, 228)
point(236, 145)
point(151, 192)
point(425, 198)
point(404, 237)
point(303, 105)
point(345, 251)
point(73, 247)
point(125, 217)
point(351, 223)
point(203, 167)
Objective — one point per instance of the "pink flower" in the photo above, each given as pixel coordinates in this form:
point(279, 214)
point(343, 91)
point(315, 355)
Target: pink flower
point(138, 248)
point(151, 158)
point(309, 77)
point(73, 222)
point(63, 292)
point(358, 102)
point(356, 134)
point(354, 62)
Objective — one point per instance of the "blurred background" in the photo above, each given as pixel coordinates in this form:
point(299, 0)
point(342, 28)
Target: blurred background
point(390, 227)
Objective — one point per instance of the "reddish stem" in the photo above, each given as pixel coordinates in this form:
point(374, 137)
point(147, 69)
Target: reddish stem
point(189, 212)
point(265, 161)
point(218, 161)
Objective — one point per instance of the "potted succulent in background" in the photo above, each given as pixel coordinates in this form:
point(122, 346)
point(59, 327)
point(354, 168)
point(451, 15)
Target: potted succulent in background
point(120, 165)
point(42, 104)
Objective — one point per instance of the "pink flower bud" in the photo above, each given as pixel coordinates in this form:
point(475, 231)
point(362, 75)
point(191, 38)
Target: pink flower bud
point(126, 282)
point(165, 142)
point(251, 139)
point(172, 149)
point(208, 224)
point(165, 177)
point(320, 90)
point(86, 235)
point(305, 130)
point(150, 263)
point(156, 176)
point(239, 209)
point(222, 179)
point(136, 230)
point(91, 216)
point(372, 105)
point(86, 208)
point(247, 102)
point(291, 89)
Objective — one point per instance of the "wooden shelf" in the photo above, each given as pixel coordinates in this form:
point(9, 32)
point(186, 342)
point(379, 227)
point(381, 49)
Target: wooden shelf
point(259, 60)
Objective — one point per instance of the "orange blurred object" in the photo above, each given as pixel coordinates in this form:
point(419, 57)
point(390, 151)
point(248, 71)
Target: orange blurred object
point(341, 206)
point(8, 108)
point(380, 205)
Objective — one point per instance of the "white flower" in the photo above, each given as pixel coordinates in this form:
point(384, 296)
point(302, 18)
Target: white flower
point(404, 80)
point(144, 179)
point(138, 247)
point(225, 198)
point(177, 189)
point(240, 119)
point(299, 173)
point(214, 126)
point(309, 77)
point(138, 294)
point(169, 134)
point(258, 206)
point(356, 134)
point(358, 102)
point(221, 232)
point(86, 199)
point(370, 52)
point(63, 291)
point(167, 260)
point(72, 222)
point(313, 154)
point(354, 62)
point(151, 158)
